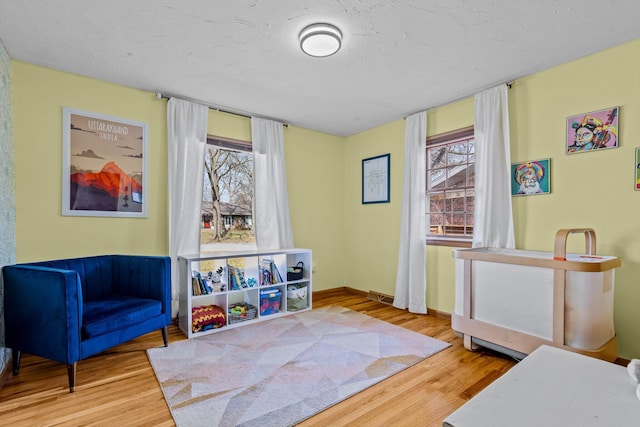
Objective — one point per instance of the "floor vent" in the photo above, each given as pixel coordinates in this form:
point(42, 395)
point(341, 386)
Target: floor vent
point(380, 297)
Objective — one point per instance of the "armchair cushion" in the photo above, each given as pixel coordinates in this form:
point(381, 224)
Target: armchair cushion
point(115, 313)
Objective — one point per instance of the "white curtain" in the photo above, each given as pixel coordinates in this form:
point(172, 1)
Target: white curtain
point(187, 135)
point(493, 219)
point(411, 278)
point(271, 210)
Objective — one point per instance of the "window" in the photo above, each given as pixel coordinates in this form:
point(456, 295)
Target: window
point(450, 187)
point(227, 196)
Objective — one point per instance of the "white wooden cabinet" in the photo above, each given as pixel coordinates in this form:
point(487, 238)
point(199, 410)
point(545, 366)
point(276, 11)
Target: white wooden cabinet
point(244, 287)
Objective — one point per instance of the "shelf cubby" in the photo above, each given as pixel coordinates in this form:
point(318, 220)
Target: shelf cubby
point(244, 287)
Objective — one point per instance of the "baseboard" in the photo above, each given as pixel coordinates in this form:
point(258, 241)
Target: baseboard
point(439, 314)
point(355, 291)
point(621, 361)
point(338, 290)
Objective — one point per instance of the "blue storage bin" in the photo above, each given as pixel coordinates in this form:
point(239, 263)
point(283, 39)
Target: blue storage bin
point(270, 301)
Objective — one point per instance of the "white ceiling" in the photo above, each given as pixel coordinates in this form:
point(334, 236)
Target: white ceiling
point(398, 56)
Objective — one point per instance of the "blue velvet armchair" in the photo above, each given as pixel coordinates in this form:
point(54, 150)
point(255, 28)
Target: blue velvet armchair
point(67, 310)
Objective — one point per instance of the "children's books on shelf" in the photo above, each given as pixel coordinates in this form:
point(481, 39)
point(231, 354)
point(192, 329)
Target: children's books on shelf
point(269, 273)
point(199, 285)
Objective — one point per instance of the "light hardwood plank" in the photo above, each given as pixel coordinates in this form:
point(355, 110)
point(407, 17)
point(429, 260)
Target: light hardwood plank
point(118, 387)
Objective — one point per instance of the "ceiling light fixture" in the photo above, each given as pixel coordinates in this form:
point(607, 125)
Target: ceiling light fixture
point(320, 40)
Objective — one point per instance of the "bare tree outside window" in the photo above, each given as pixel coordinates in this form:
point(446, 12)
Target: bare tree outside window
point(227, 196)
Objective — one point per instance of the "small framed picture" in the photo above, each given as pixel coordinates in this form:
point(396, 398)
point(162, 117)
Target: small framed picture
point(530, 177)
point(597, 130)
point(375, 179)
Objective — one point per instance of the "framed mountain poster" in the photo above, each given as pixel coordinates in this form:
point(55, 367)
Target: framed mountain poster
point(103, 165)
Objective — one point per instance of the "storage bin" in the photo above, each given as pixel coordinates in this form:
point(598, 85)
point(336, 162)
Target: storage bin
point(297, 297)
point(270, 301)
point(241, 312)
point(295, 273)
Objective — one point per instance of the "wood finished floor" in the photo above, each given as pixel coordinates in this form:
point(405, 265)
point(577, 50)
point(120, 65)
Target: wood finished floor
point(118, 387)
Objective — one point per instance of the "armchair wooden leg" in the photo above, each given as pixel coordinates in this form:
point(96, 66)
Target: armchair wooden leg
point(165, 336)
point(71, 371)
point(16, 361)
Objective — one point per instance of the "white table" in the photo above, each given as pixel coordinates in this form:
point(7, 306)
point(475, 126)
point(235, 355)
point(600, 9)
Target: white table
point(554, 387)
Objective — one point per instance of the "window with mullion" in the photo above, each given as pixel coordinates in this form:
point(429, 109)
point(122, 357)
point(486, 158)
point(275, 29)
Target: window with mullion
point(450, 186)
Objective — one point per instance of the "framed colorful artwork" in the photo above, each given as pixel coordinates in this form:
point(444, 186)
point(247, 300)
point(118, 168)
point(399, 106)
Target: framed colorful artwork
point(530, 177)
point(593, 131)
point(103, 166)
point(375, 179)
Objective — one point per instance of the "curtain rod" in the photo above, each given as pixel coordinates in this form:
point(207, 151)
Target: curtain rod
point(508, 84)
point(160, 95)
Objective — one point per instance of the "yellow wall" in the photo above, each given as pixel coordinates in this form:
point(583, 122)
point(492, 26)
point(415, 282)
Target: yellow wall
point(38, 95)
point(588, 189)
point(371, 235)
point(315, 184)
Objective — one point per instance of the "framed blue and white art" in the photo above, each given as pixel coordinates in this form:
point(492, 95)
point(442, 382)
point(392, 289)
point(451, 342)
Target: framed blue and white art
point(375, 179)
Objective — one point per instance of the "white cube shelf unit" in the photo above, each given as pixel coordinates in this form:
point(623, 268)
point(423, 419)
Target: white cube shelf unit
point(232, 289)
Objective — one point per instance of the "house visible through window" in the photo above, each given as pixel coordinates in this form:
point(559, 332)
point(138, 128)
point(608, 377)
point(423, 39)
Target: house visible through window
point(227, 197)
point(450, 187)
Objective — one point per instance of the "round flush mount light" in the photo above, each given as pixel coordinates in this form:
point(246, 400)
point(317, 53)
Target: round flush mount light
point(320, 40)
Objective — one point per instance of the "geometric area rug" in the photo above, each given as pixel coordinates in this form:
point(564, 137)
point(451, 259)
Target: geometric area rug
point(284, 370)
